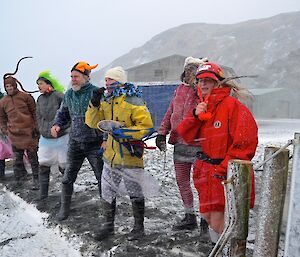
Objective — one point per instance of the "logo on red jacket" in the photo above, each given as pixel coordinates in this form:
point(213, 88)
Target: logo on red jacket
point(217, 124)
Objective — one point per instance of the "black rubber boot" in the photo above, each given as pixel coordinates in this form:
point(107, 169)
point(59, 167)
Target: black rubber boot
point(35, 182)
point(34, 163)
point(204, 230)
point(203, 226)
point(138, 209)
point(20, 171)
point(20, 178)
point(108, 227)
point(65, 202)
point(61, 170)
point(2, 176)
point(188, 222)
point(99, 188)
point(2, 170)
point(44, 181)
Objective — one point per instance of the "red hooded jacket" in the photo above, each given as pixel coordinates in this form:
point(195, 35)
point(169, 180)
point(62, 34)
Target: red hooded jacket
point(231, 133)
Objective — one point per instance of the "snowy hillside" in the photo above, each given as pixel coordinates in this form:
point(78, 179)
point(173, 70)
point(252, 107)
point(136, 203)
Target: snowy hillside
point(267, 47)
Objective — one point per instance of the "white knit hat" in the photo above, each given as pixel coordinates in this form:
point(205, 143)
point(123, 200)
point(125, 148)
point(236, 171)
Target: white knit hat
point(116, 73)
point(192, 60)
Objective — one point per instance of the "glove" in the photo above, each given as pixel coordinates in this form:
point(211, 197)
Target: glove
point(96, 96)
point(3, 135)
point(35, 133)
point(3, 131)
point(160, 142)
point(100, 151)
point(119, 134)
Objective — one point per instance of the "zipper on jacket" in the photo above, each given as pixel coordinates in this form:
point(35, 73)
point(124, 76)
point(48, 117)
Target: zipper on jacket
point(112, 141)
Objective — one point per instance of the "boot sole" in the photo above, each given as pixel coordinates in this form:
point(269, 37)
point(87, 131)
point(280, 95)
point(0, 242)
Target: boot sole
point(61, 218)
point(102, 237)
point(189, 227)
point(137, 237)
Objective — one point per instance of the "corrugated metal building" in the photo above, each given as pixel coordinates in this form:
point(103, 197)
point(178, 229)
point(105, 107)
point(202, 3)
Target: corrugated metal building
point(275, 103)
point(166, 70)
point(158, 80)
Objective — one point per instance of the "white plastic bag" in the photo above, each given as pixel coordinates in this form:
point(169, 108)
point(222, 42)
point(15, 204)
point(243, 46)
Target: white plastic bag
point(53, 151)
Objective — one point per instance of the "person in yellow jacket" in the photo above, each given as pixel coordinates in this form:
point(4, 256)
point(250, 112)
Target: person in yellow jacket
point(124, 149)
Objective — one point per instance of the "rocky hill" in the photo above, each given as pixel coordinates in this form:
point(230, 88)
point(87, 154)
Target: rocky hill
point(268, 47)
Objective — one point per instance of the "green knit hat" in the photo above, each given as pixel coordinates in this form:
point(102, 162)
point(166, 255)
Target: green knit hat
point(49, 79)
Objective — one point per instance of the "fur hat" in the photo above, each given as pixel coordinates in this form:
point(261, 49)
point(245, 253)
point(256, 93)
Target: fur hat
point(116, 73)
point(49, 79)
point(84, 68)
point(10, 80)
point(193, 64)
point(196, 61)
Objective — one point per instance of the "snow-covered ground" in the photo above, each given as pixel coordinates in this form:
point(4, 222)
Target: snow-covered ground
point(24, 233)
point(29, 229)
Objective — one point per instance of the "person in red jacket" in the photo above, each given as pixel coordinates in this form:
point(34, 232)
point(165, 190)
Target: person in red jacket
point(225, 130)
point(185, 98)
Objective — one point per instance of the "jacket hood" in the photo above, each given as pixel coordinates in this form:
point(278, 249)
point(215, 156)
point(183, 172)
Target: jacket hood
point(218, 94)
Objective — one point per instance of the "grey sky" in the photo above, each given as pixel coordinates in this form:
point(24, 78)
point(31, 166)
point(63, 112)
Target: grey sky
point(58, 33)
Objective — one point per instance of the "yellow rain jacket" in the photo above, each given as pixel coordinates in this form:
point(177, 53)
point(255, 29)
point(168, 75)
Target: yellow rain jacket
point(134, 114)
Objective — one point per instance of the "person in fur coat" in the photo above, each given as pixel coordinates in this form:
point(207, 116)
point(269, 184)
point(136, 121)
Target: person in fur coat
point(18, 121)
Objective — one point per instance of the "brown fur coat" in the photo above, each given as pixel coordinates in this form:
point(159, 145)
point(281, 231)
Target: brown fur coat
point(18, 120)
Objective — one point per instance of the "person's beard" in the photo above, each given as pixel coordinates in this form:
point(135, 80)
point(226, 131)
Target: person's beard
point(76, 87)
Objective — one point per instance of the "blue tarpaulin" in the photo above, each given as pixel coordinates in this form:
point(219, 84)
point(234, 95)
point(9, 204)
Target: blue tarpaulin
point(158, 98)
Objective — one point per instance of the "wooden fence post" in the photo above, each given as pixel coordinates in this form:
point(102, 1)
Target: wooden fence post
point(237, 193)
point(271, 204)
point(240, 172)
point(292, 239)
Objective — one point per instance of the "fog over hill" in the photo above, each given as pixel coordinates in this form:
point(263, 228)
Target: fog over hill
point(267, 47)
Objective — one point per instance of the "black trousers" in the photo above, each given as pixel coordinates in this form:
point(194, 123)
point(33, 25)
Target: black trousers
point(2, 167)
point(77, 152)
point(19, 167)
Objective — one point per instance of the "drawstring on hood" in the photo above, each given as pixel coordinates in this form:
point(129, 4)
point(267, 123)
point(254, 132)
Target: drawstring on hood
point(203, 115)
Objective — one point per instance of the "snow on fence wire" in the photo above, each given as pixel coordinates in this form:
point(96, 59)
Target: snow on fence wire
point(237, 193)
